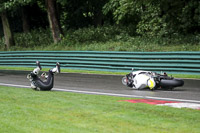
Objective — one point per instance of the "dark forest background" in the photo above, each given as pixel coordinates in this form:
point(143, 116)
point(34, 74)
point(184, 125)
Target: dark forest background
point(71, 24)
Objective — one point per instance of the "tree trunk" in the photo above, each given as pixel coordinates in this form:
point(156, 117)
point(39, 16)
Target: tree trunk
point(9, 39)
point(98, 17)
point(53, 20)
point(26, 26)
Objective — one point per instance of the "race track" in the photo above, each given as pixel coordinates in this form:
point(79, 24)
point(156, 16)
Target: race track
point(105, 85)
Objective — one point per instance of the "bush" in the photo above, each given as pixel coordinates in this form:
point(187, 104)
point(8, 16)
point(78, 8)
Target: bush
point(99, 34)
point(35, 38)
point(105, 38)
point(39, 37)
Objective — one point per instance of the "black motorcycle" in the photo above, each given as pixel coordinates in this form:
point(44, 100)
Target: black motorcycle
point(45, 84)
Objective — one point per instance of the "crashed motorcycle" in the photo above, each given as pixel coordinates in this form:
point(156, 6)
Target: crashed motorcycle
point(151, 80)
point(44, 82)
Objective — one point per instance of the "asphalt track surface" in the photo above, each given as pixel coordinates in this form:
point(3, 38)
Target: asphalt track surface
point(105, 85)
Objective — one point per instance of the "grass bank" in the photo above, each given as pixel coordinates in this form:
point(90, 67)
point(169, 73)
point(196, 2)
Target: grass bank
point(25, 110)
point(105, 38)
point(137, 44)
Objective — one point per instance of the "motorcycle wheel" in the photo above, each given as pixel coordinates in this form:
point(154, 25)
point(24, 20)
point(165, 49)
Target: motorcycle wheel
point(124, 81)
point(171, 83)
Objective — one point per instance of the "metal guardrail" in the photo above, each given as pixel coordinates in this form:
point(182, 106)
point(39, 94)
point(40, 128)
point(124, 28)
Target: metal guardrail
point(172, 62)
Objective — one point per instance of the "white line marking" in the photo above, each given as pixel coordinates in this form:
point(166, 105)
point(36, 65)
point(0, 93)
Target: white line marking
point(124, 95)
point(13, 85)
point(109, 94)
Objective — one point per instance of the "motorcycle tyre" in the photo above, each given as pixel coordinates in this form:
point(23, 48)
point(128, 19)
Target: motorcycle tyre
point(171, 83)
point(124, 81)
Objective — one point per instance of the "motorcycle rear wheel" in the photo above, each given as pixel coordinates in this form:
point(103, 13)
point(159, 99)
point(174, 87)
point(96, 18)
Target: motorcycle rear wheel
point(171, 83)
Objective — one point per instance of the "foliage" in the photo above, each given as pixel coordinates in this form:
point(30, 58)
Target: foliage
point(157, 18)
point(106, 38)
point(190, 17)
point(151, 23)
point(38, 37)
point(13, 4)
point(122, 9)
point(92, 34)
point(80, 13)
point(122, 35)
point(163, 22)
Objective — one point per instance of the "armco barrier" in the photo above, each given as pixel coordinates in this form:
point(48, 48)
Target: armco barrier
point(172, 62)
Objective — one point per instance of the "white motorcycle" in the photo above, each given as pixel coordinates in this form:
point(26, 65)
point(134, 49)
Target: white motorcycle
point(151, 80)
point(45, 82)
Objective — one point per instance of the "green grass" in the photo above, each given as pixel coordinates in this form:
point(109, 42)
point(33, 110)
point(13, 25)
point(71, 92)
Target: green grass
point(139, 46)
point(25, 110)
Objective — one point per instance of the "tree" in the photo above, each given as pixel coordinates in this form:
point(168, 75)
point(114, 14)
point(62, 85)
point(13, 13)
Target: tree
point(25, 21)
point(53, 20)
point(16, 5)
point(156, 18)
point(8, 35)
point(9, 39)
point(5, 6)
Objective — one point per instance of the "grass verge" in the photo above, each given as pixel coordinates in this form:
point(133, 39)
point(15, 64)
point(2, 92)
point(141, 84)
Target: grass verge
point(25, 110)
point(94, 72)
